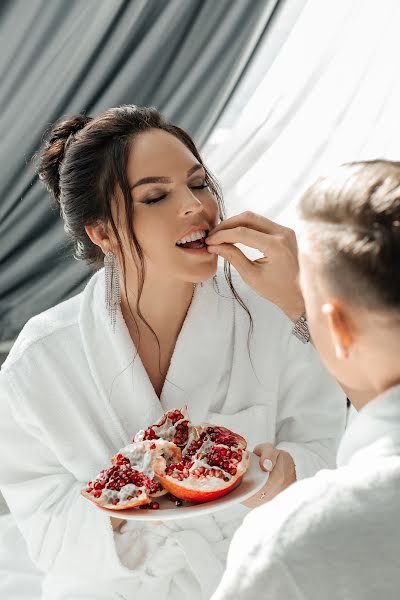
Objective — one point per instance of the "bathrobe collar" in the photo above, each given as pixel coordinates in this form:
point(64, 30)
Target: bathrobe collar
point(374, 432)
point(119, 375)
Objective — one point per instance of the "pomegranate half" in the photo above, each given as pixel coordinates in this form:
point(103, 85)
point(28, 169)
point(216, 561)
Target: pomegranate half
point(130, 482)
point(214, 461)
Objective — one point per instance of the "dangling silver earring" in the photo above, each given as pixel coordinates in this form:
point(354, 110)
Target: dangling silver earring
point(112, 288)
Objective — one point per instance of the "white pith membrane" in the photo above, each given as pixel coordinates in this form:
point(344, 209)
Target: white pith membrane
point(194, 241)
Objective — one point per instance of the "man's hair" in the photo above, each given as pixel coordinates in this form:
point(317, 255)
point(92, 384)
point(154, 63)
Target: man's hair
point(353, 221)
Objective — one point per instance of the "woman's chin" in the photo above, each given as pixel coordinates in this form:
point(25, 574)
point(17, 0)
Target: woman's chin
point(203, 271)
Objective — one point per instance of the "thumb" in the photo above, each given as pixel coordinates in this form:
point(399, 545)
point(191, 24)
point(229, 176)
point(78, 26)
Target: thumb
point(234, 256)
point(268, 456)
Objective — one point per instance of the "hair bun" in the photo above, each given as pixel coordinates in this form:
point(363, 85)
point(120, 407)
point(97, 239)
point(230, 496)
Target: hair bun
point(51, 157)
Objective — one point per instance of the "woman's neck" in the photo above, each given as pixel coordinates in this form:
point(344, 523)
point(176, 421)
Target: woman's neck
point(163, 304)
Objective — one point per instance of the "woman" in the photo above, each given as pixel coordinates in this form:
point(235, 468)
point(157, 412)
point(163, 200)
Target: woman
point(157, 328)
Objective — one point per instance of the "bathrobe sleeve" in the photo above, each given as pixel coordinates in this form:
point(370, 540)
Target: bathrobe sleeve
point(64, 533)
point(311, 411)
point(256, 566)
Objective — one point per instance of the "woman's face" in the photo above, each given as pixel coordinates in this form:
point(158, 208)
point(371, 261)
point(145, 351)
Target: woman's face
point(170, 203)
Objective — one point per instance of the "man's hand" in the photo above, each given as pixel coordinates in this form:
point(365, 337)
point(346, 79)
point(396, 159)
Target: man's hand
point(275, 276)
point(282, 473)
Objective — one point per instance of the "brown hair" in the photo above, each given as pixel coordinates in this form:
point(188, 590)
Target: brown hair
point(83, 162)
point(355, 216)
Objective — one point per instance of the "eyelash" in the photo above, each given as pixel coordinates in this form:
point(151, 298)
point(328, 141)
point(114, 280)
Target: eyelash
point(155, 200)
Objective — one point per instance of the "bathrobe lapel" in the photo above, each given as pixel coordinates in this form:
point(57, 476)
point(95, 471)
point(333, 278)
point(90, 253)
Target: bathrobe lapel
point(118, 373)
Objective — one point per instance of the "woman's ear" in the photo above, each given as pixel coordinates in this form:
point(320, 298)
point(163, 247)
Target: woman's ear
point(97, 233)
point(339, 329)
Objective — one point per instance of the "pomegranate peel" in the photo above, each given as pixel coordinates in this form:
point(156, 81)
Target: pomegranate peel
point(133, 504)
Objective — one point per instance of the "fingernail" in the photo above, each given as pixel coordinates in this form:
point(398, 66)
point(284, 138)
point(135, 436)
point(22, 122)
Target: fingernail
point(267, 464)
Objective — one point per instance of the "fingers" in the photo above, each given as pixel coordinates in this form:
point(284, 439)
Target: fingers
point(268, 456)
point(233, 255)
point(241, 235)
point(250, 220)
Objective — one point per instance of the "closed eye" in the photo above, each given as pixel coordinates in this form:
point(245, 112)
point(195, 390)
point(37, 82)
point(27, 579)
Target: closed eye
point(154, 200)
point(199, 187)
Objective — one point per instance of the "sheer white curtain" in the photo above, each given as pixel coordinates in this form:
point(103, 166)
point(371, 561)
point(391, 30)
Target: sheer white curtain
point(332, 95)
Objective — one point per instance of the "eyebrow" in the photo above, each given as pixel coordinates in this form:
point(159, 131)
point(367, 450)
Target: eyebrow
point(145, 180)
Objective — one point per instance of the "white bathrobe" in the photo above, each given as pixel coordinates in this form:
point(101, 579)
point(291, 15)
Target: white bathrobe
point(333, 536)
point(72, 394)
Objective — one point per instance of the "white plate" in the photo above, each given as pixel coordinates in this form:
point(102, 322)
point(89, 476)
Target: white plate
point(251, 483)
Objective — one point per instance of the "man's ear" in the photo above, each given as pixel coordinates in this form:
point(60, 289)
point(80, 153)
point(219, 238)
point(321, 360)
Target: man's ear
point(98, 234)
point(339, 328)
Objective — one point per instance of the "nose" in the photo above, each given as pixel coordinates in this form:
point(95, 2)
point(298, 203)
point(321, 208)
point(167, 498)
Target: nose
point(190, 204)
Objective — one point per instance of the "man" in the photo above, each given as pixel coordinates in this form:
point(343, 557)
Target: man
point(336, 535)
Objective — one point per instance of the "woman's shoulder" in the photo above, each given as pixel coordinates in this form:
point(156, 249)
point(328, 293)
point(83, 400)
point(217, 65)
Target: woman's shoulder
point(44, 327)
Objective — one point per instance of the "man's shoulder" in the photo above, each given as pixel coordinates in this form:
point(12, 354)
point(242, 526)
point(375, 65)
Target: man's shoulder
point(345, 506)
point(293, 508)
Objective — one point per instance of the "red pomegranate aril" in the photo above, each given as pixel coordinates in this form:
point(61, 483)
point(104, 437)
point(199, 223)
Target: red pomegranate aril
point(97, 494)
point(150, 434)
point(89, 490)
point(175, 416)
point(115, 501)
point(154, 506)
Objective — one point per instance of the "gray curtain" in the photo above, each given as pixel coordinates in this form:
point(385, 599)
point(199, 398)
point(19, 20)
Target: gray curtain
point(60, 57)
